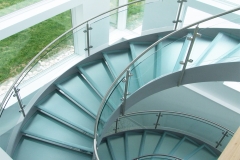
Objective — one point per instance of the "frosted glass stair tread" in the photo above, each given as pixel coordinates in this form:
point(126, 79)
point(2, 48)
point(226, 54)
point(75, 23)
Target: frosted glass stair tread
point(168, 52)
point(185, 148)
point(145, 66)
point(231, 56)
point(29, 149)
point(200, 45)
point(218, 47)
point(203, 154)
point(150, 143)
point(117, 144)
point(134, 142)
point(59, 106)
point(118, 60)
point(48, 128)
point(103, 152)
point(79, 90)
point(167, 143)
point(98, 74)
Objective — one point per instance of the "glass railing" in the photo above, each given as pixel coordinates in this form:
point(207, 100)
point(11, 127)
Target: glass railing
point(197, 10)
point(157, 157)
point(134, 19)
point(171, 53)
point(193, 126)
point(74, 45)
point(145, 70)
point(130, 24)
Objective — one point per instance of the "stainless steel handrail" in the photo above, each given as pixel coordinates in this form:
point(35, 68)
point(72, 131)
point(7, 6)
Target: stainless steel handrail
point(176, 113)
point(139, 56)
point(21, 75)
point(157, 155)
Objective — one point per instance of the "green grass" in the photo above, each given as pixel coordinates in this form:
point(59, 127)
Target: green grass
point(135, 14)
point(8, 6)
point(16, 51)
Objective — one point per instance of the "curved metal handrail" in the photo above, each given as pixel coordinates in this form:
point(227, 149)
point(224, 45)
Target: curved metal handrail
point(22, 75)
point(177, 113)
point(139, 56)
point(157, 155)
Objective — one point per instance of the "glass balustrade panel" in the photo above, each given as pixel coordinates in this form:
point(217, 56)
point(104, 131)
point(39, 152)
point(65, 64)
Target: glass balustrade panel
point(196, 10)
point(191, 126)
point(225, 141)
point(113, 102)
point(166, 58)
point(132, 21)
point(10, 117)
point(218, 43)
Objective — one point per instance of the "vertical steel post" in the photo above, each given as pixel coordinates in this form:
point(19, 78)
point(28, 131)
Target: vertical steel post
point(192, 39)
point(157, 123)
point(19, 101)
point(219, 143)
point(179, 13)
point(87, 38)
point(116, 129)
point(128, 74)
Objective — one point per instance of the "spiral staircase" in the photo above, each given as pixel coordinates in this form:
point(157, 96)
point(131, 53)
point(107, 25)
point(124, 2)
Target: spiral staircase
point(62, 123)
point(62, 115)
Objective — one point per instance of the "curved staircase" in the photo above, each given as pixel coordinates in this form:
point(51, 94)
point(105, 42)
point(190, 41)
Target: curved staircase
point(62, 126)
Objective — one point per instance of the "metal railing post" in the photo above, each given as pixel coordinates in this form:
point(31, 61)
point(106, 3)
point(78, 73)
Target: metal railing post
point(224, 135)
point(157, 123)
point(128, 74)
point(192, 39)
point(19, 101)
point(88, 38)
point(116, 129)
point(178, 14)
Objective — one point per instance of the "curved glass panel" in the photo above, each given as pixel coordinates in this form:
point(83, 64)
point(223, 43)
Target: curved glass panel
point(196, 10)
point(129, 22)
point(216, 43)
point(160, 61)
point(149, 67)
point(113, 101)
point(166, 57)
point(202, 129)
point(157, 157)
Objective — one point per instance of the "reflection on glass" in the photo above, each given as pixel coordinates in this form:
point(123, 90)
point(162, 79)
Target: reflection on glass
point(114, 15)
point(197, 127)
point(16, 51)
point(135, 15)
point(8, 6)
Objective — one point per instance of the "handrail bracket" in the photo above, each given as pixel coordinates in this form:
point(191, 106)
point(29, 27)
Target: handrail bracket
point(126, 79)
point(16, 90)
point(192, 39)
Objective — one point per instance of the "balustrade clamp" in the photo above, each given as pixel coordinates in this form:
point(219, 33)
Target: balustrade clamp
point(157, 123)
point(88, 38)
point(225, 134)
point(128, 74)
point(177, 21)
point(192, 39)
point(16, 90)
point(116, 129)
